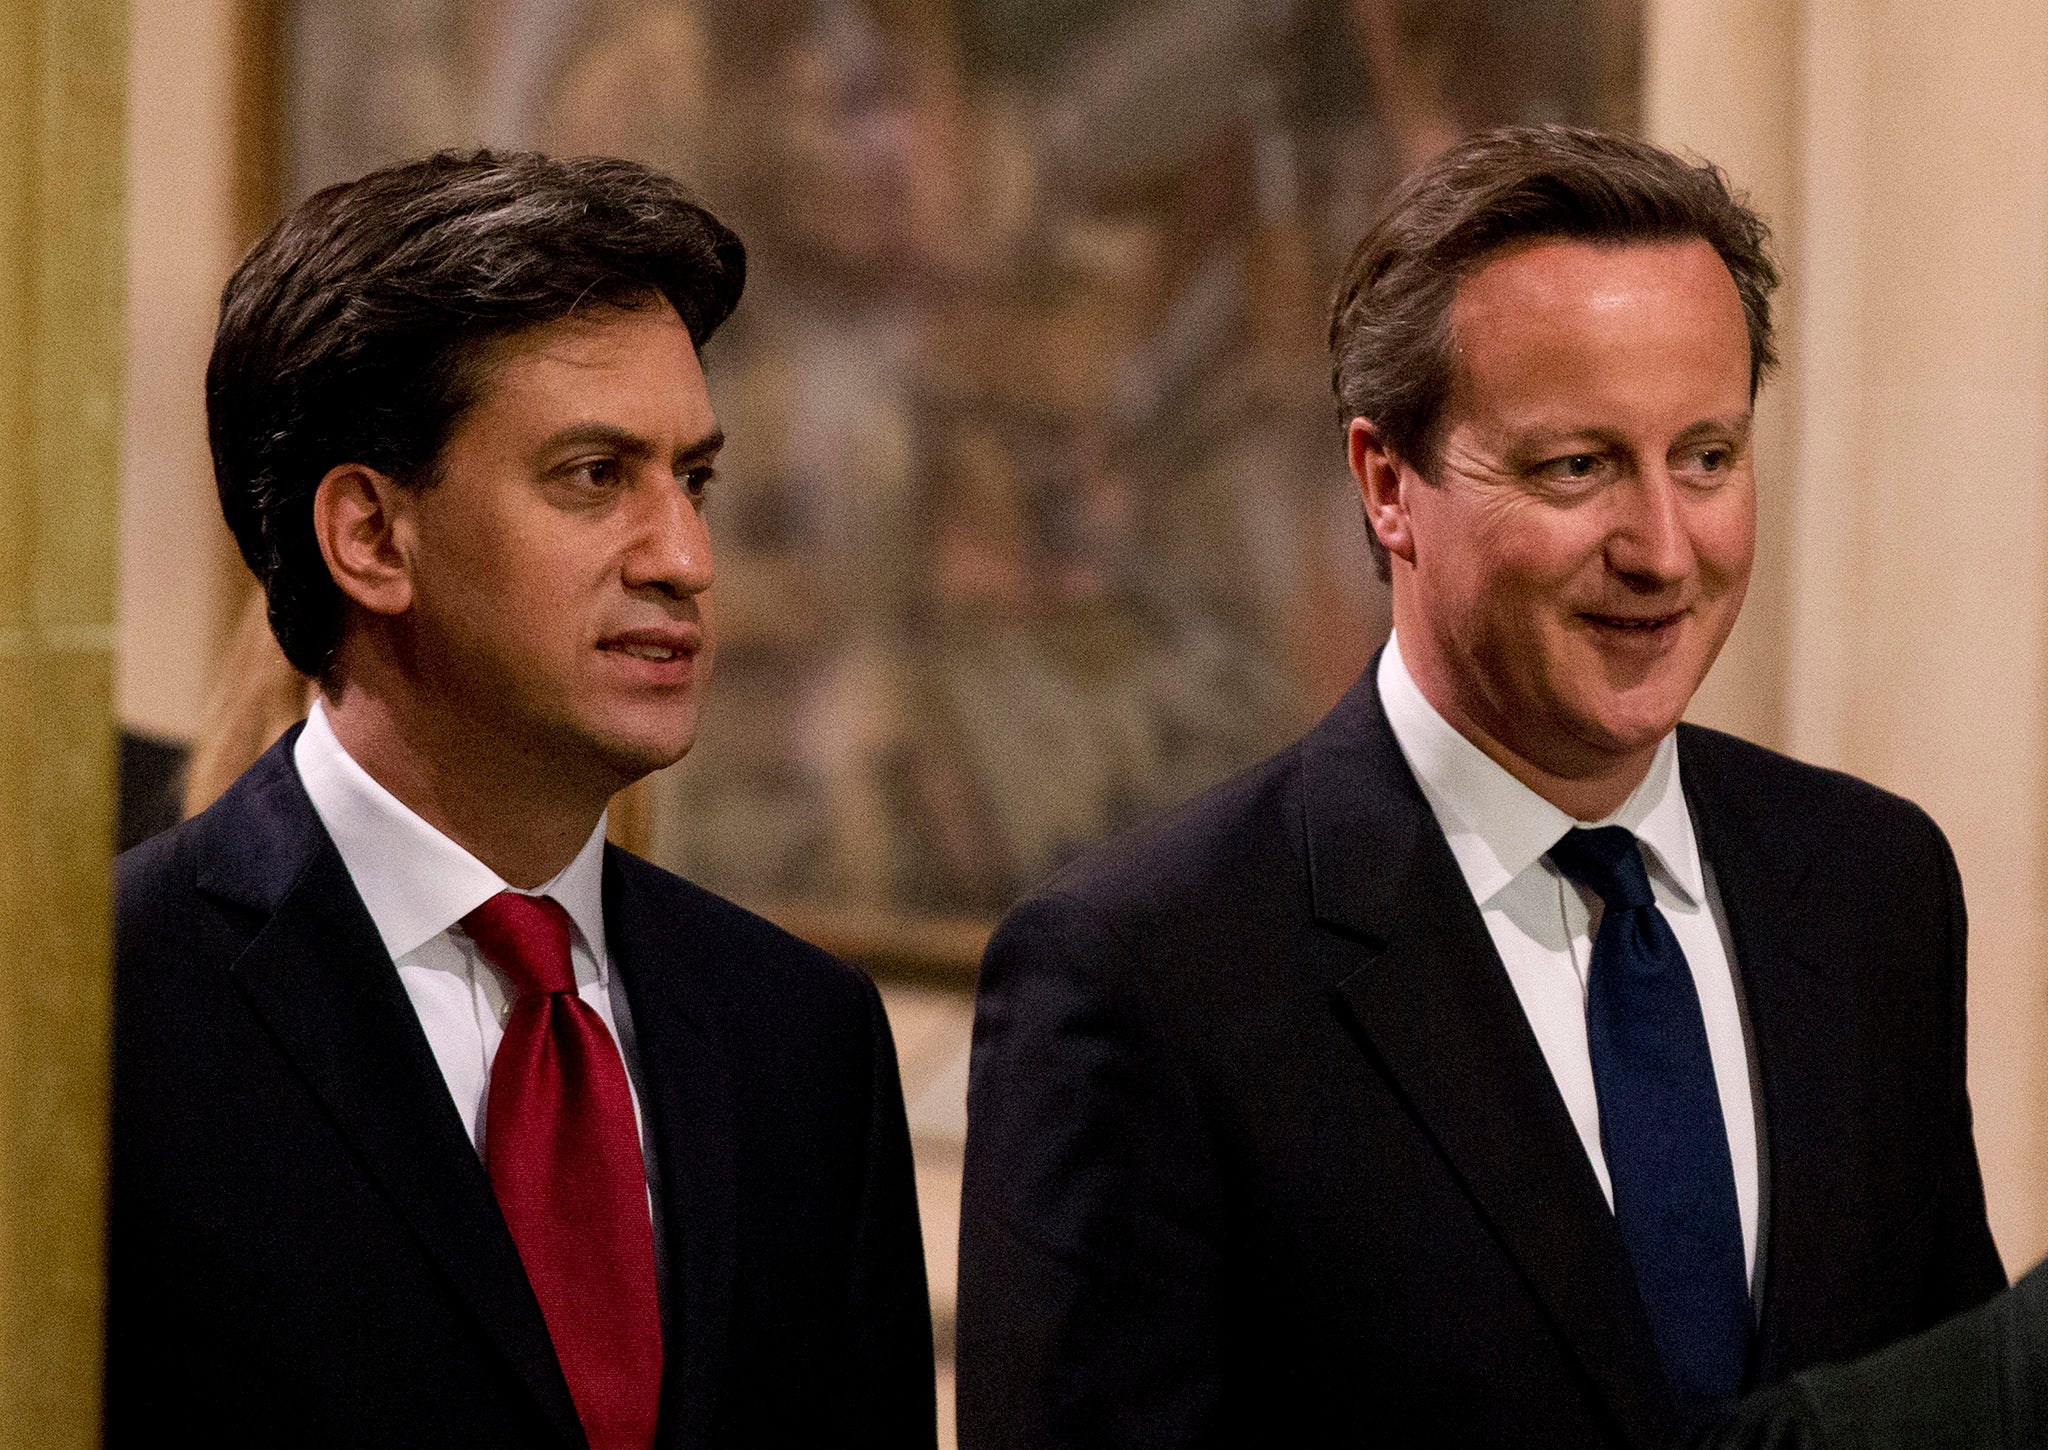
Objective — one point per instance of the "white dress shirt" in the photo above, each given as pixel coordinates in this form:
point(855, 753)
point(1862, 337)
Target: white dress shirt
point(1543, 924)
point(419, 885)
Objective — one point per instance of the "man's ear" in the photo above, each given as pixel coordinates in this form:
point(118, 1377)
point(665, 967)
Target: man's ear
point(1383, 483)
point(363, 520)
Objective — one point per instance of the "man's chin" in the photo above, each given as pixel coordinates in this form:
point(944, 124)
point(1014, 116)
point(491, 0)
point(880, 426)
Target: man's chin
point(1626, 708)
point(634, 760)
point(629, 755)
point(1624, 731)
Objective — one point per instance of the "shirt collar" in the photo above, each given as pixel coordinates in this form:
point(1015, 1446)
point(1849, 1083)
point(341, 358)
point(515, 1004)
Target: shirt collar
point(1496, 826)
point(416, 882)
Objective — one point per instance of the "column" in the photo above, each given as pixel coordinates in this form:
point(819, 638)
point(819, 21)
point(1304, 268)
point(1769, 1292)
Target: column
point(1720, 82)
point(62, 79)
point(1919, 650)
point(1903, 152)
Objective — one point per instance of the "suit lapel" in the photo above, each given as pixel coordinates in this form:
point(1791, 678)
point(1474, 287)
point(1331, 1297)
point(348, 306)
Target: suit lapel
point(317, 975)
point(1759, 875)
point(659, 948)
point(1416, 970)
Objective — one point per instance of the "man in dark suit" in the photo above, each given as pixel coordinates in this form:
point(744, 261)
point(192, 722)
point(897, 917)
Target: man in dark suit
point(438, 1121)
point(1504, 1063)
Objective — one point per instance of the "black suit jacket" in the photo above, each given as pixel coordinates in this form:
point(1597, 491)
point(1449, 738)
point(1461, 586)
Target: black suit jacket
point(1261, 1148)
point(305, 1247)
point(1977, 1382)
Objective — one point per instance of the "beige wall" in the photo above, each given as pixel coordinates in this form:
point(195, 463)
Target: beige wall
point(1695, 50)
point(182, 235)
point(1896, 627)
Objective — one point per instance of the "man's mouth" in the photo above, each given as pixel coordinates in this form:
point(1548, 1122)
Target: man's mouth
point(656, 646)
point(1634, 623)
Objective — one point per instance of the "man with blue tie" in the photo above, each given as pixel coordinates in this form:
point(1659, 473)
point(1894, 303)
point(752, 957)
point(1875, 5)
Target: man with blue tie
point(1505, 1063)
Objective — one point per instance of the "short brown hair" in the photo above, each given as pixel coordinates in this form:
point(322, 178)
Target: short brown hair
point(1390, 345)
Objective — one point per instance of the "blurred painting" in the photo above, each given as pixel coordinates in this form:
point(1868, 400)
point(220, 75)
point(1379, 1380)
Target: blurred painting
point(1034, 520)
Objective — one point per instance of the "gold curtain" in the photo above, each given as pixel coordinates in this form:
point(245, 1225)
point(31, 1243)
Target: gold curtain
point(62, 79)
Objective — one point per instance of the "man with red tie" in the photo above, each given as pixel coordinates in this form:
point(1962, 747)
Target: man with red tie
point(438, 1121)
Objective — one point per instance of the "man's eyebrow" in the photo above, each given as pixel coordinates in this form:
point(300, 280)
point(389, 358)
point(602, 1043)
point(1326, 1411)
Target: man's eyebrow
point(622, 441)
point(628, 444)
point(1543, 440)
point(1737, 426)
point(1540, 442)
point(703, 450)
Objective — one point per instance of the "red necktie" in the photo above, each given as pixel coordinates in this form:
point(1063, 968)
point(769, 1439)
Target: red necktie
point(564, 1157)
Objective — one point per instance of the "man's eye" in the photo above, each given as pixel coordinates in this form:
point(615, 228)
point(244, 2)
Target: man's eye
point(604, 472)
point(697, 482)
point(1572, 465)
point(1710, 463)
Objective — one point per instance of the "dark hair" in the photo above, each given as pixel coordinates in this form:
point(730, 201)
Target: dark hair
point(1390, 346)
point(359, 330)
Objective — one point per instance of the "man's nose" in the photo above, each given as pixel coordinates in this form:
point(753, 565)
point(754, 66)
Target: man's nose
point(671, 547)
point(1650, 541)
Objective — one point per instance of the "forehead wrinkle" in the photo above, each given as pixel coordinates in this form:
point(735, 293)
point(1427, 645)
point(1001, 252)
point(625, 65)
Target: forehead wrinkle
point(1591, 282)
point(1517, 420)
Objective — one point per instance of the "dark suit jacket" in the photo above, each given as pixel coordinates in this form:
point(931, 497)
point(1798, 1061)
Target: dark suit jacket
point(1261, 1148)
point(305, 1247)
point(1977, 1382)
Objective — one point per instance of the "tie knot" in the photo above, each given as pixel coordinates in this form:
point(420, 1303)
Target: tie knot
point(526, 938)
point(1608, 862)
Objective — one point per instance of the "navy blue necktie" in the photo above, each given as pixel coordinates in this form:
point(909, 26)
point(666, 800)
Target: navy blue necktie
point(1660, 1126)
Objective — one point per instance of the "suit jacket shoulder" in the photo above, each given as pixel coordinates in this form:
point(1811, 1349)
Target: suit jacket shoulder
point(1805, 807)
point(1238, 845)
point(246, 849)
point(759, 963)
